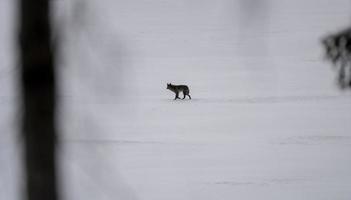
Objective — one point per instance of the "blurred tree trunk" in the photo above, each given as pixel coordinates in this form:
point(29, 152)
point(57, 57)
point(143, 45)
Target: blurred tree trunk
point(38, 99)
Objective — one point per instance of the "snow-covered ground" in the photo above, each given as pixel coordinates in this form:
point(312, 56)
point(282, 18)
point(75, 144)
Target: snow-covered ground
point(266, 120)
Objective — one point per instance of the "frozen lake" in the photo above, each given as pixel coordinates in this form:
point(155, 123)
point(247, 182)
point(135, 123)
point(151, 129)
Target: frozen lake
point(266, 120)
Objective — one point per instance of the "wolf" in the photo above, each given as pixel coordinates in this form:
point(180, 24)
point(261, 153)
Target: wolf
point(179, 88)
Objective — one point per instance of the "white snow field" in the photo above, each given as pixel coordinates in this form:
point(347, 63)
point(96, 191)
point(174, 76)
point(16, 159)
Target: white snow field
point(266, 121)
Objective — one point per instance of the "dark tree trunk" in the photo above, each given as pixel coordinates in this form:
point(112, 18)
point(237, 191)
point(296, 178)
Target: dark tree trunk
point(38, 99)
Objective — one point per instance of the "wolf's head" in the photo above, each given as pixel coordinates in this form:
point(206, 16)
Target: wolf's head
point(169, 85)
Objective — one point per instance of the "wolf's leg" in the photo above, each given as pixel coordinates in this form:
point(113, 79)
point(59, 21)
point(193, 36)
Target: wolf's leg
point(177, 96)
point(186, 93)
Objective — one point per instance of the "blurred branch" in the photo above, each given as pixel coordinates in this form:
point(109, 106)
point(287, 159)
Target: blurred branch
point(338, 51)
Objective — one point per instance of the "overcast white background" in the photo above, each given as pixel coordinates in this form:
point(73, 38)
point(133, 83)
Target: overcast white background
point(266, 120)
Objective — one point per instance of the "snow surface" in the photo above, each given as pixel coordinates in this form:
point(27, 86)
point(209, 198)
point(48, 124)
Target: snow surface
point(266, 120)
